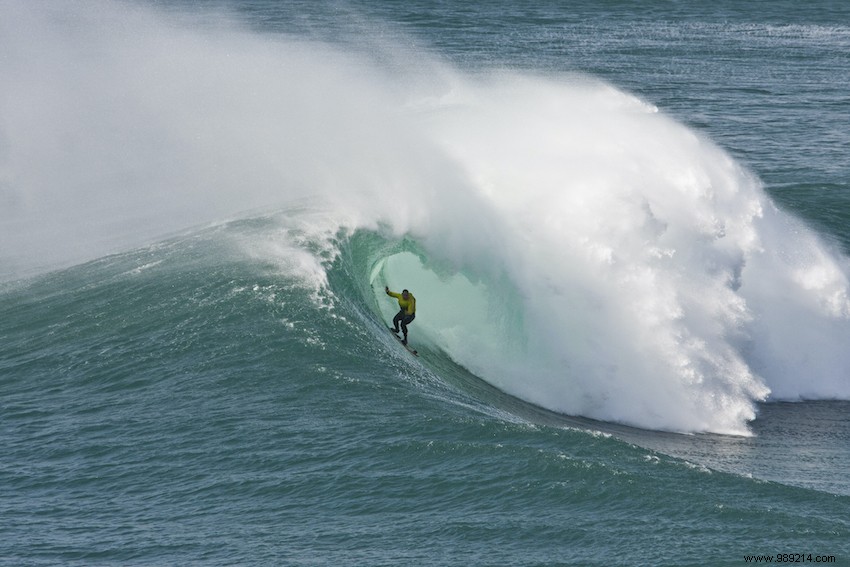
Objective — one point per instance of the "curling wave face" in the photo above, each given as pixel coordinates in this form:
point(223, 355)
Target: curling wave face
point(612, 263)
point(571, 245)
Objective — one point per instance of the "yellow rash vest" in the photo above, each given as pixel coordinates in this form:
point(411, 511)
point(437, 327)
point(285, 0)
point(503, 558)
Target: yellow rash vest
point(409, 304)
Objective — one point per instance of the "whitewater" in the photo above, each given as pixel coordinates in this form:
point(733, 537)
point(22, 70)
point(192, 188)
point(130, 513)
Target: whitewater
point(568, 243)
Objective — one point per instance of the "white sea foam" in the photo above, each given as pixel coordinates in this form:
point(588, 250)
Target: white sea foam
point(578, 249)
point(657, 283)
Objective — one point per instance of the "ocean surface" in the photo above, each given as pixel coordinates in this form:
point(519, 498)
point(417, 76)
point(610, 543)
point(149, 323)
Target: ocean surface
point(626, 224)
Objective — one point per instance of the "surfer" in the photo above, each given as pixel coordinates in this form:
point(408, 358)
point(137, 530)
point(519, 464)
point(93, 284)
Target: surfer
point(406, 313)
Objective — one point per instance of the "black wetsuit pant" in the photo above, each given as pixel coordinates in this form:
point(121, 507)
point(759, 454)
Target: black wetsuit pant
point(404, 319)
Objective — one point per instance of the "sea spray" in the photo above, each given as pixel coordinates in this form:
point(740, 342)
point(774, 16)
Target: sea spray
point(578, 249)
point(119, 124)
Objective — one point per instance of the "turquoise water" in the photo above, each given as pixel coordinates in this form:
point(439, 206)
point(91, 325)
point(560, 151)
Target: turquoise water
point(625, 228)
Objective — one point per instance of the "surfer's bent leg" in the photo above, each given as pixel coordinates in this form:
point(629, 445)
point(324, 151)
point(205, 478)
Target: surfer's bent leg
point(405, 321)
point(398, 318)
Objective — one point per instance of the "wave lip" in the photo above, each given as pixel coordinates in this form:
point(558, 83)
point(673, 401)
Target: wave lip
point(576, 248)
point(638, 275)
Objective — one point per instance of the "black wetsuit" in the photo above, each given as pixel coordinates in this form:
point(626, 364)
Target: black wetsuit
point(406, 314)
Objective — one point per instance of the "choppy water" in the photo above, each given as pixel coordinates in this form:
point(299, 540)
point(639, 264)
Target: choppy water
point(621, 223)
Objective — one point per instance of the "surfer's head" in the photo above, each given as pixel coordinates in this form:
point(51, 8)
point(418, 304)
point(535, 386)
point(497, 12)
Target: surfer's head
point(405, 293)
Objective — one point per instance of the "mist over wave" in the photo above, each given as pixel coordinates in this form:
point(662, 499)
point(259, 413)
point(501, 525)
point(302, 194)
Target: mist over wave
point(573, 246)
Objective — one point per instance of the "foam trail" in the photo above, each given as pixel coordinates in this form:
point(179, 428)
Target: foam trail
point(581, 250)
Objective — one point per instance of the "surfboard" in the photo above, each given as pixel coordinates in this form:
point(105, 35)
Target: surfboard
point(409, 349)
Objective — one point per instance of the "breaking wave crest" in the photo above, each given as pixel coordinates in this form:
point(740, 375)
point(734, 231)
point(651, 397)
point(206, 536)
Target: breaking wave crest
point(567, 243)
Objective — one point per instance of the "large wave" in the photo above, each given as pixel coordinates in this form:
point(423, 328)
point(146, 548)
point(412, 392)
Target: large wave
point(568, 243)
